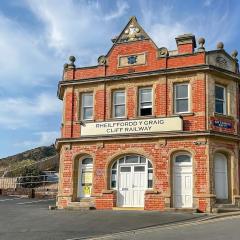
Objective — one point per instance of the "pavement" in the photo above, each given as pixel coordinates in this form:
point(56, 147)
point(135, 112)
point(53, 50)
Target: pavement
point(220, 228)
point(30, 219)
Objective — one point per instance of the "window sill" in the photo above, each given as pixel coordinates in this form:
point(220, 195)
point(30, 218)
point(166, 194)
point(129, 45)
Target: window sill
point(81, 122)
point(183, 114)
point(117, 119)
point(147, 116)
point(223, 115)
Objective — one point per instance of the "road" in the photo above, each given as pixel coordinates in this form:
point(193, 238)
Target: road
point(217, 229)
point(30, 219)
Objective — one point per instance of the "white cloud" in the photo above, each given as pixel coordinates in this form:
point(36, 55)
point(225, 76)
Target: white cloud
point(122, 7)
point(44, 139)
point(218, 24)
point(32, 57)
point(21, 112)
point(164, 35)
point(81, 28)
point(22, 60)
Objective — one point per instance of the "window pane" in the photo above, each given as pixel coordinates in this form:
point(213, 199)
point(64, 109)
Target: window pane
point(150, 164)
point(131, 159)
point(139, 169)
point(114, 165)
point(87, 100)
point(146, 111)
point(146, 105)
point(219, 106)
point(181, 91)
point(182, 158)
point(87, 113)
point(87, 161)
point(142, 160)
point(113, 184)
point(119, 97)
point(219, 92)
point(146, 95)
point(125, 169)
point(150, 183)
point(182, 105)
point(121, 160)
point(120, 111)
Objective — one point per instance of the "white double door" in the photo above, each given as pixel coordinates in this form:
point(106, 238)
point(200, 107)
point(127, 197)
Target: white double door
point(183, 187)
point(132, 186)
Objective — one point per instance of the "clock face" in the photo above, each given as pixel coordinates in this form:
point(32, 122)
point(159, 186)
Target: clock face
point(132, 59)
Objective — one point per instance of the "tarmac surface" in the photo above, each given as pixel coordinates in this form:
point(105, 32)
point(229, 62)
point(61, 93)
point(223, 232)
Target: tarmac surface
point(25, 219)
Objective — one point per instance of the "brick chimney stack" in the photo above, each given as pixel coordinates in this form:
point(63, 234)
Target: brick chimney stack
point(185, 43)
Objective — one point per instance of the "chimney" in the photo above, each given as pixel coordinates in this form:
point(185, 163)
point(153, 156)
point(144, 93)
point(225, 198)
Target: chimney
point(185, 43)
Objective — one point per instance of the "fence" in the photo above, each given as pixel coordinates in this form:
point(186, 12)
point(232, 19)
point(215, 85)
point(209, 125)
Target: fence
point(41, 186)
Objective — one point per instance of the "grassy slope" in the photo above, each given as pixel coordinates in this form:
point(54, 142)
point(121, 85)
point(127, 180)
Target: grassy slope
point(35, 154)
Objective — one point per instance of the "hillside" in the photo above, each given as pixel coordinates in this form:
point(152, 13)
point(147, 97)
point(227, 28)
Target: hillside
point(29, 156)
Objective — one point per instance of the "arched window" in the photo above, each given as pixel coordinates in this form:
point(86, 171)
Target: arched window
point(139, 164)
point(87, 161)
point(182, 158)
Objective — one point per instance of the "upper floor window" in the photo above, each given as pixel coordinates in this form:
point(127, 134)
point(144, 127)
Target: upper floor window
point(119, 103)
point(145, 101)
point(87, 106)
point(220, 99)
point(181, 95)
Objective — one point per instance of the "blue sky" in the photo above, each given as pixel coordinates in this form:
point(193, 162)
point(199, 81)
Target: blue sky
point(36, 38)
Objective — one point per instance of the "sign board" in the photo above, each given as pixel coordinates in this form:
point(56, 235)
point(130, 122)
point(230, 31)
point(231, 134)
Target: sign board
point(222, 124)
point(132, 126)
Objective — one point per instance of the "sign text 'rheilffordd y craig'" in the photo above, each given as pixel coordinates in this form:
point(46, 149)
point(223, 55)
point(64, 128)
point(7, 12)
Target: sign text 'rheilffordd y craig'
point(132, 126)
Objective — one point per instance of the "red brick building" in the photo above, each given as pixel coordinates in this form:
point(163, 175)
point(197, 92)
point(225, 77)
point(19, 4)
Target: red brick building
point(149, 127)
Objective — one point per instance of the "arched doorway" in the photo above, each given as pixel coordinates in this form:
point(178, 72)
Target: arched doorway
point(85, 172)
point(131, 175)
point(182, 180)
point(221, 176)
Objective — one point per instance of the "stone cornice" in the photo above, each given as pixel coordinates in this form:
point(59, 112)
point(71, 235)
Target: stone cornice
point(152, 136)
point(181, 70)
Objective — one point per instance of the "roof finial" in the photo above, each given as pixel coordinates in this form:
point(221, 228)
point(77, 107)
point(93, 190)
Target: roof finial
point(72, 59)
point(201, 42)
point(220, 46)
point(133, 18)
point(234, 54)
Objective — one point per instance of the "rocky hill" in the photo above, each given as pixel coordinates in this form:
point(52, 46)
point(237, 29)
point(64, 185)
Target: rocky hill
point(34, 155)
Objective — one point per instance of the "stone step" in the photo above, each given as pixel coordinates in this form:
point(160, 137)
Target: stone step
point(86, 200)
point(225, 210)
point(188, 210)
point(222, 205)
point(82, 205)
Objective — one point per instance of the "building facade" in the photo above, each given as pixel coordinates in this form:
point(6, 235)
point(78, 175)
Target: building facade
point(149, 127)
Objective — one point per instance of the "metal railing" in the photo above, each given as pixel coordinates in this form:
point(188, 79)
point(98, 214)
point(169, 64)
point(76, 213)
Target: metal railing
point(33, 186)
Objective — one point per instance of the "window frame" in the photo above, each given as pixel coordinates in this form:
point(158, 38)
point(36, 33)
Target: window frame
point(114, 104)
point(83, 107)
point(139, 100)
point(175, 97)
point(218, 99)
point(181, 153)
